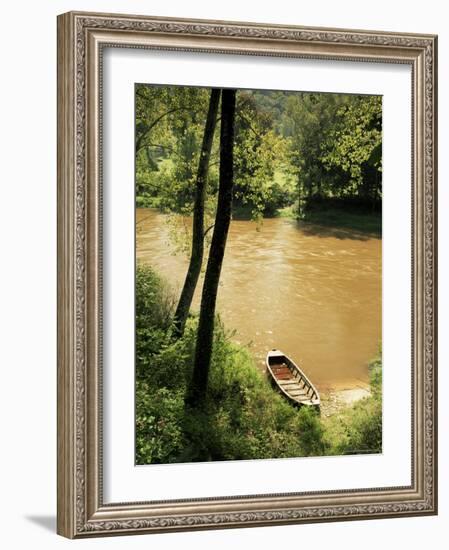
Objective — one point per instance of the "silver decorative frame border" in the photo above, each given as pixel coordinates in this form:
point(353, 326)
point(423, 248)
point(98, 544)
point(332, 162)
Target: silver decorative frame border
point(81, 38)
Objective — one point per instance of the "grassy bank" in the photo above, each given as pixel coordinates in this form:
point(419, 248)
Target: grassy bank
point(245, 417)
point(369, 223)
point(365, 223)
point(358, 429)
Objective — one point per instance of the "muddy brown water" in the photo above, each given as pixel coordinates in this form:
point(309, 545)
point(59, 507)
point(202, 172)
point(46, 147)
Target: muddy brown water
point(313, 292)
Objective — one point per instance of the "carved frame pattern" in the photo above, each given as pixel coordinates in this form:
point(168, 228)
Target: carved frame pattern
point(81, 37)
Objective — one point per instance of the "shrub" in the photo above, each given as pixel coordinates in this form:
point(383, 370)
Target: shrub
point(364, 429)
point(159, 436)
point(310, 433)
point(244, 417)
point(171, 367)
point(358, 429)
point(154, 310)
point(154, 300)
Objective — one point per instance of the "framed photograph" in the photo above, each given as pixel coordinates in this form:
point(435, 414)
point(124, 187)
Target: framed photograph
point(246, 274)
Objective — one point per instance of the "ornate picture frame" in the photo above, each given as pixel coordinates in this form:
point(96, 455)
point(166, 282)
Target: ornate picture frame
point(82, 38)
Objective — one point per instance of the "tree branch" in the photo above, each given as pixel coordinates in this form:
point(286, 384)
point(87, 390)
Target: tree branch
point(243, 117)
point(208, 229)
point(160, 146)
point(139, 140)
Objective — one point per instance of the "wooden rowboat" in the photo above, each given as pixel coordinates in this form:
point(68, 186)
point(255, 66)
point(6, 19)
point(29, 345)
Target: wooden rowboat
point(290, 380)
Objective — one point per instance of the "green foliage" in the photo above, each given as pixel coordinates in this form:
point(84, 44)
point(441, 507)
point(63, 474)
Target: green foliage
point(170, 367)
point(244, 416)
point(365, 430)
point(353, 145)
point(291, 149)
point(159, 437)
point(358, 429)
point(365, 223)
point(151, 183)
point(248, 420)
point(310, 432)
point(154, 300)
point(259, 152)
point(154, 308)
point(311, 116)
point(169, 127)
point(375, 368)
point(335, 146)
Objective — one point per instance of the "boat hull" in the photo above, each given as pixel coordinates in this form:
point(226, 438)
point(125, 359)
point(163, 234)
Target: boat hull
point(291, 381)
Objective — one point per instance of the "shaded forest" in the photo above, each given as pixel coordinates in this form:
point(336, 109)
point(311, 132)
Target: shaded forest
point(295, 153)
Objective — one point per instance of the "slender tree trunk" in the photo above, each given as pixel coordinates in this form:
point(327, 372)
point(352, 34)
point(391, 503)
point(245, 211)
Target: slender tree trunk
point(196, 256)
point(197, 390)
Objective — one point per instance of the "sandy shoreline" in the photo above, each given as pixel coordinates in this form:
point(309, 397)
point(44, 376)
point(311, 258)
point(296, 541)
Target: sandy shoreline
point(336, 397)
point(333, 400)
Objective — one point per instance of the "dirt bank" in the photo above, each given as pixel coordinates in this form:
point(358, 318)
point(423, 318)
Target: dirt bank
point(333, 401)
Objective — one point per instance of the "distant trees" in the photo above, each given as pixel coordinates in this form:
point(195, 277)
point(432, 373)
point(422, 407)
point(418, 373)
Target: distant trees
point(353, 148)
point(260, 155)
point(336, 145)
point(290, 148)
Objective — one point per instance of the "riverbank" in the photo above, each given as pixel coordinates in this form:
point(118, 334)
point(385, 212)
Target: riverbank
point(365, 224)
point(369, 224)
point(334, 400)
point(297, 287)
point(244, 417)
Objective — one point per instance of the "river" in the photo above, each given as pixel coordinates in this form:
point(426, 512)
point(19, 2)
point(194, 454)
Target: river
point(313, 292)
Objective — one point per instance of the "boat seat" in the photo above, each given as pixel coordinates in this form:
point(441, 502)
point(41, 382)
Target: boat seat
point(292, 381)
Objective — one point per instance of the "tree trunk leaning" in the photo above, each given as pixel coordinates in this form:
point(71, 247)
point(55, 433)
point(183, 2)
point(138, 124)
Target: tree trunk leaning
point(203, 352)
point(197, 252)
